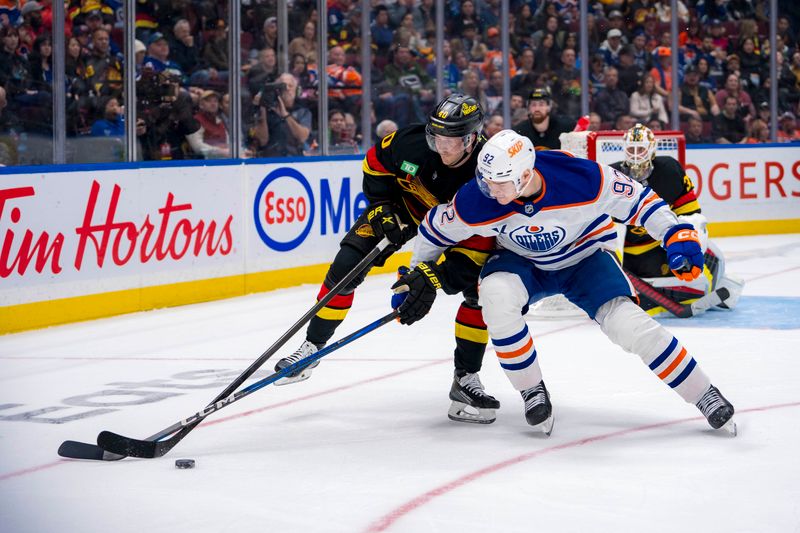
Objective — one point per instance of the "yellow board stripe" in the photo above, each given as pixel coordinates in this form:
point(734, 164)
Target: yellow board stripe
point(329, 313)
point(756, 227)
point(34, 315)
point(480, 336)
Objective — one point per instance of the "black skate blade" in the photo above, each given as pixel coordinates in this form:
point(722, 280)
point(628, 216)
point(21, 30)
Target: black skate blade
point(72, 449)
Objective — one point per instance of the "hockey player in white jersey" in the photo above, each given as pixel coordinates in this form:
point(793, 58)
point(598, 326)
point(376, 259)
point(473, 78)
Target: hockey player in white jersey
point(551, 213)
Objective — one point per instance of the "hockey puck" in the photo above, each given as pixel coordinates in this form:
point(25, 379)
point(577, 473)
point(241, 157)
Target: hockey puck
point(184, 463)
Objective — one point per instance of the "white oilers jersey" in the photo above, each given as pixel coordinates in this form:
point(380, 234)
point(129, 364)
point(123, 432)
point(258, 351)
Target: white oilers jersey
point(569, 220)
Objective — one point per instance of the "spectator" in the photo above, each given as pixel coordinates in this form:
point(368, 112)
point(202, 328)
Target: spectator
point(112, 121)
point(467, 17)
point(405, 75)
point(641, 57)
point(568, 86)
point(552, 27)
point(352, 129)
point(787, 131)
point(306, 80)
point(597, 75)
point(384, 128)
point(628, 71)
point(611, 101)
point(662, 71)
point(282, 127)
point(471, 86)
point(214, 132)
point(340, 141)
point(695, 132)
point(492, 125)
point(265, 71)
point(31, 27)
point(704, 75)
point(382, 35)
point(215, 51)
point(493, 59)
point(729, 127)
point(350, 34)
point(547, 55)
point(542, 128)
point(158, 59)
point(305, 44)
point(451, 74)
point(624, 122)
point(344, 81)
point(494, 92)
point(733, 88)
point(268, 37)
point(646, 103)
point(759, 132)
point(104, 70)
point(183, 48)
point(595, 122)
point(41, 64)
point(696, 100)
point(611, 47)
point(664, 12)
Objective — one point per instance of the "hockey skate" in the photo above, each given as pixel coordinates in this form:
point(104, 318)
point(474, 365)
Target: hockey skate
point(305, 349)
point(470, 401)
point(718, 411)
point(538, 409)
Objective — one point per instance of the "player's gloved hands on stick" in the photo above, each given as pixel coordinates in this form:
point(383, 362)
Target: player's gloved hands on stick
point(415, 292)
point(684, 254)
point(384, 222)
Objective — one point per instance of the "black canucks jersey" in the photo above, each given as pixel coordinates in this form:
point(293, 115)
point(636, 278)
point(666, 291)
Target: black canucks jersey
point(401, 168)
point(644, 256)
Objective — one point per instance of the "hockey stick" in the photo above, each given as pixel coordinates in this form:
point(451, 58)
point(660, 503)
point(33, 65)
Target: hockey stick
point(82, 450)
point(151, 448)
point(676, 308)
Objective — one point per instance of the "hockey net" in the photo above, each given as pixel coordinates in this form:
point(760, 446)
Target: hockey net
point(605, 147)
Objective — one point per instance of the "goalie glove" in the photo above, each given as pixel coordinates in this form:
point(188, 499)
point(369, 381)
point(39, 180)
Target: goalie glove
point(415, 292)
point(385, 223)
point(684, 254)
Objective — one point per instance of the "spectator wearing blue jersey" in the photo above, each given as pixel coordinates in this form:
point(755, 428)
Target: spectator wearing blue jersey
point(112, 123)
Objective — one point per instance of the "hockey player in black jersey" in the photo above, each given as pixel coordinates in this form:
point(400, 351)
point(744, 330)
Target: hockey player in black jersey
point(644, 256)
point(405, 174)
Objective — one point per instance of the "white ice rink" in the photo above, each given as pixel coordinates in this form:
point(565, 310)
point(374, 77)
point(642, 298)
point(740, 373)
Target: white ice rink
point(365, 444)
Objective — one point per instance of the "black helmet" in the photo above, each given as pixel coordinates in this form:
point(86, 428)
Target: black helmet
point(458, 115)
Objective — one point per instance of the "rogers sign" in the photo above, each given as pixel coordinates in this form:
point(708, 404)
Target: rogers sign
point(285, 208)
point(104, 236)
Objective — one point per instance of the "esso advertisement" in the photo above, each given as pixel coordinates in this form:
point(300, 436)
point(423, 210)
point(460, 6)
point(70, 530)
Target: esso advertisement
point(746, 183)
point(304, 211)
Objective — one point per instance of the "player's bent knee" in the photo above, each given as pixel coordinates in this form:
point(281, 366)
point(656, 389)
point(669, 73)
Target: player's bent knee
point(628, 326)
point(502, 296)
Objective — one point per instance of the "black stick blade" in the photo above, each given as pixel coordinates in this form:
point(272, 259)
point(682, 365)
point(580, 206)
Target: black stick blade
point(120, 445)
point(72, 449)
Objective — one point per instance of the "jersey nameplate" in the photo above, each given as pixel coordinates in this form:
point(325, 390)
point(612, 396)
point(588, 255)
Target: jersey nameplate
point(409, 168)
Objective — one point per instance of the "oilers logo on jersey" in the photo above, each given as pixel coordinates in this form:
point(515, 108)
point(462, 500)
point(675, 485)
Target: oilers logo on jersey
point(536, 238)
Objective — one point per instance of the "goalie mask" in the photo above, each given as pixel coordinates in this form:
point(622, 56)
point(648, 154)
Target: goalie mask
point(639, 144)
point(504, 159)
point(454, 124)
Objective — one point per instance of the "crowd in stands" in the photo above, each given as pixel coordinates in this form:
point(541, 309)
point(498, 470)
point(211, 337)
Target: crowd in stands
point(182, 65)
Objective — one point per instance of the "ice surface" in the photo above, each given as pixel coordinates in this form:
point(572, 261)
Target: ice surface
point(365, 444)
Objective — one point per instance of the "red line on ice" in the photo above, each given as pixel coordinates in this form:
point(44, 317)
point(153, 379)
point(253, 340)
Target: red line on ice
point(386, 521)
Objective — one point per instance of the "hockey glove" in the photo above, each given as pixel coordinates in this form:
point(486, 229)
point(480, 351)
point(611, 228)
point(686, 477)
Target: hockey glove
point(415, 292)
point(385, 223)
point(684, 254)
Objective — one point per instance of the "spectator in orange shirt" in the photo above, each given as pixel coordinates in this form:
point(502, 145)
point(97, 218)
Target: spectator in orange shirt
point(787, 131)
point(662, 71)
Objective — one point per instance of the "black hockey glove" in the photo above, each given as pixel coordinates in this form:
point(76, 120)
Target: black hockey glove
point(415, 292)
point(385, 223)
